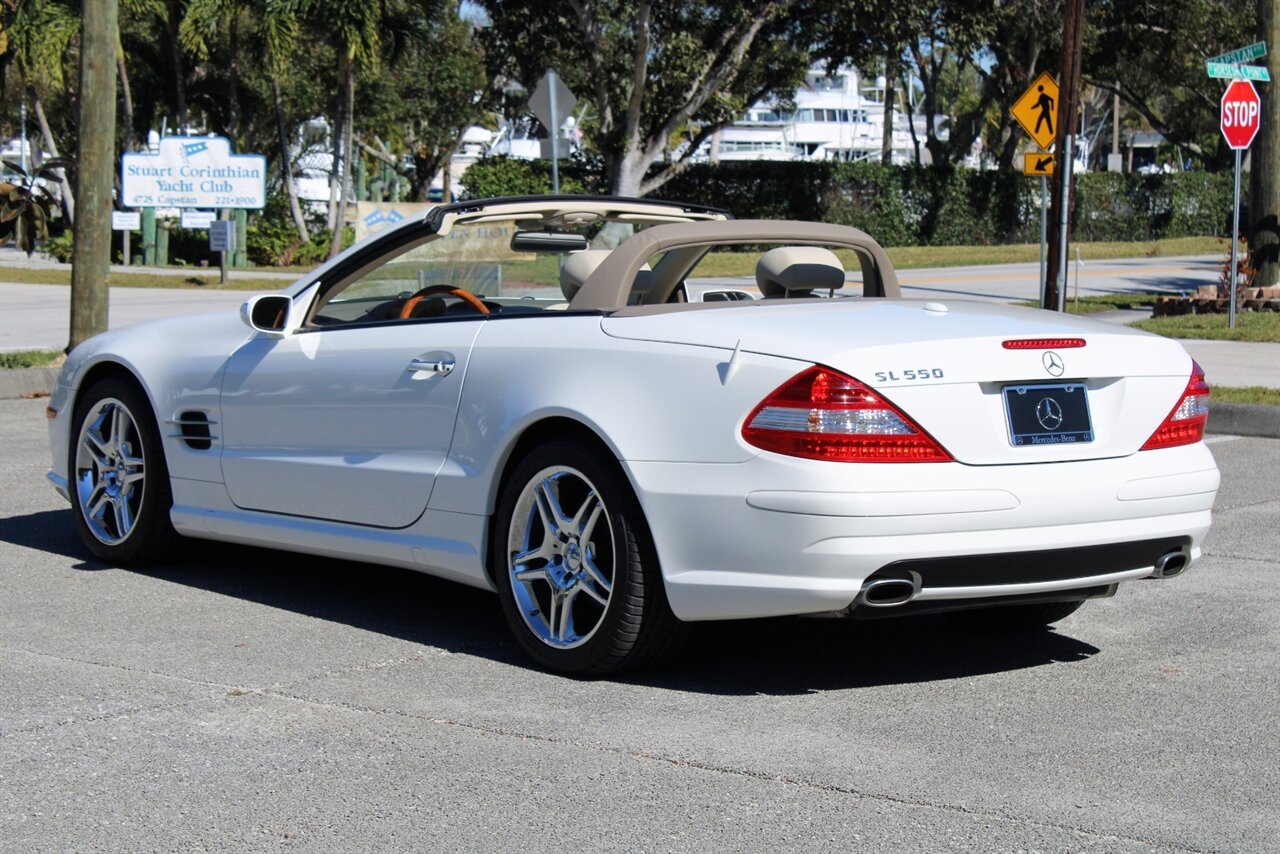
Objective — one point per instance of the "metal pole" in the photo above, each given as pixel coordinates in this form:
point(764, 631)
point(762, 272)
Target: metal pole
point(22, 111)
point(223, 259)
point(1044, 231)
point(1235, 244)
point(554, 130)
point(1066, 207)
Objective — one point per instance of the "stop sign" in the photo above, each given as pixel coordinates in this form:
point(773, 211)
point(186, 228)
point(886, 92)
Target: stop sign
point(1241, 114)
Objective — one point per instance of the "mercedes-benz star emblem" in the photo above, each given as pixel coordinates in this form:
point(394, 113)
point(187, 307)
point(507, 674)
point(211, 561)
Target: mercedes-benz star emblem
point(1049, 413)
point(1053, 363)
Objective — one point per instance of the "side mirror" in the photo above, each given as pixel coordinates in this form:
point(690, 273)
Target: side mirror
point(267, 313)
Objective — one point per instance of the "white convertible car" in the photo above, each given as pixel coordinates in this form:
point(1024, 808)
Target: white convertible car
point(616, 461)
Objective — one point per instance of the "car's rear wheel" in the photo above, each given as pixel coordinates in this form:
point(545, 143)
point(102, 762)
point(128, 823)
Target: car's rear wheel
point(576, 568)
point(120, 492)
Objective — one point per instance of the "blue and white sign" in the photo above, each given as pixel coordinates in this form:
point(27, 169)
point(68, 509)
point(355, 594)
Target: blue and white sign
point(194, 172)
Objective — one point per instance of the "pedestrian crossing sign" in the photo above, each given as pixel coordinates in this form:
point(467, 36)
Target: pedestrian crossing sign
point(1037, 110)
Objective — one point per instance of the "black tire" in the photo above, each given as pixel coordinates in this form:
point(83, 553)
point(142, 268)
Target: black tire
point(119, 484)
point(605, 554)
point(1023, 617)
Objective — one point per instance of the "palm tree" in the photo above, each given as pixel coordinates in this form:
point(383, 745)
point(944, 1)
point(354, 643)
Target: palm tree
point(41, 33)
point(355, 26)
point(278, 23)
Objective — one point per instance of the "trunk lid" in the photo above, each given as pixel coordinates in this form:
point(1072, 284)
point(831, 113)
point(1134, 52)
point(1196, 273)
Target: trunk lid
point(944, 364)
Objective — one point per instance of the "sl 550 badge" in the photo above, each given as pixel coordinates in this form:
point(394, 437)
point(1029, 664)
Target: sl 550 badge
point(909, 374)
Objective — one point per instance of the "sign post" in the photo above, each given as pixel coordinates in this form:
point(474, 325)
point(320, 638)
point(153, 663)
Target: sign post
point(125, 222)
point(222, 238)
point(551, 102)
point(1240, 118)
point(1036, 112)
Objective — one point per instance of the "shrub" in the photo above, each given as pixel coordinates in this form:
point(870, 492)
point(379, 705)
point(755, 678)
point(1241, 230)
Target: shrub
point(491, 177)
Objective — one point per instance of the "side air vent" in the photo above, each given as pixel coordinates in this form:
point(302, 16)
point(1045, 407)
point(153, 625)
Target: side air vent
point(193, 428)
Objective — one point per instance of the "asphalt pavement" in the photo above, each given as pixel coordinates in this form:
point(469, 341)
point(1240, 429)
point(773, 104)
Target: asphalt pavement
point(246, 699)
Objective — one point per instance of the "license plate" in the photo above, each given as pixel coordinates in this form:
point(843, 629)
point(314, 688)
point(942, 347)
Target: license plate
point(1048, 414)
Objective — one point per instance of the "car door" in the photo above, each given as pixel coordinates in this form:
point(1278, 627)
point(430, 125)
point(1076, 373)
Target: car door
point(347, 423)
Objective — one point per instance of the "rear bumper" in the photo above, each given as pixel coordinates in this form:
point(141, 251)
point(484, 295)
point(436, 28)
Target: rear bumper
point(777, 536)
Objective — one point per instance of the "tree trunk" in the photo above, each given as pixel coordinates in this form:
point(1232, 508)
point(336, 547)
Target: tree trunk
point(46, 133)
point(631, 168)
point(233, 85)
point(336, 131)
point(173, 21)
point(911, 116)
point(348, 134)
point(126, 99)
point(286, 163)
point(1264, 177)
point(91, 257)
point(890, 90)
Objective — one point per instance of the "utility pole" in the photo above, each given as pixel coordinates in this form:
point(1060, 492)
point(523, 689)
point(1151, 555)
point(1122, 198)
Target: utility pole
point(95, 170)
point(1060, 203)
point(1264, 172)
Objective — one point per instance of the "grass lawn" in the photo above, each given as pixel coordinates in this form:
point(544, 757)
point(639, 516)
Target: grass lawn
point(180, 278)
point(1250, 326)
point(543, 269)
point(31, 359)
point(1104, 302)
point(1248, 394)
point(914, 257)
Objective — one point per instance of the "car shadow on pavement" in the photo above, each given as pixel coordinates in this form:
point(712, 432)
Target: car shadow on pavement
point(751, 657)
point(798, 655)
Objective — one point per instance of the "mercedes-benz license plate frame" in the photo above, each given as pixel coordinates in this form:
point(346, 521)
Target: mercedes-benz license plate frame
point(1047, 414)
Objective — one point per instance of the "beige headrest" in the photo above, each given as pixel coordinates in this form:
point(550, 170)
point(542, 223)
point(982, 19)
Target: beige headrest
point(578, 267)
point(797, 270)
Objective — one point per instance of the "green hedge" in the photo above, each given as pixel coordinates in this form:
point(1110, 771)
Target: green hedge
point(913, 205)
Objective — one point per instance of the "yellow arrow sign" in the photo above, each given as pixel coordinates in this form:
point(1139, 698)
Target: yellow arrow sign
point(1037, 163)
point(1037, 110)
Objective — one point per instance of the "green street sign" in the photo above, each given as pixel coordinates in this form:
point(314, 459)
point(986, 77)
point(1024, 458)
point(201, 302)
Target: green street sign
point(1230, 71)
point(1244, 54)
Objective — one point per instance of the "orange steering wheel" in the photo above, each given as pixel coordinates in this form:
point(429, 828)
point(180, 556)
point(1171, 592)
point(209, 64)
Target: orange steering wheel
point(471, 299)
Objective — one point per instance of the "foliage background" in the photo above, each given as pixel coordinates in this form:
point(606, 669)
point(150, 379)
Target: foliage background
point(914, 205)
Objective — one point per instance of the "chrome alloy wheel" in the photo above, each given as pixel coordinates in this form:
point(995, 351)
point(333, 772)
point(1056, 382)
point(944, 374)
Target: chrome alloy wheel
point(561, 557)
point(109, 471)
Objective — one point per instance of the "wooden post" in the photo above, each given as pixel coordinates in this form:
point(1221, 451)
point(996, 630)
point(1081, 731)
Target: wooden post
point(1068, 101)
point(241, 217)
point(91, 257)
point(162, 243)
point(149, 236)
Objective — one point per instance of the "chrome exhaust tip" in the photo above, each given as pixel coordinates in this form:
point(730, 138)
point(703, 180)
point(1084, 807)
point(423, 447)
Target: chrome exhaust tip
point(889, 592)
point(1170, 565)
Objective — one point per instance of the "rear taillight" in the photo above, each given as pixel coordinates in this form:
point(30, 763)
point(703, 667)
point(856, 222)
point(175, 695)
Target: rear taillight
point(1185, 424)
point(823, 414)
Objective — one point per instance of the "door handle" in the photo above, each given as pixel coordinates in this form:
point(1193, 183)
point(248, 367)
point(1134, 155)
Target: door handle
point(443, 366)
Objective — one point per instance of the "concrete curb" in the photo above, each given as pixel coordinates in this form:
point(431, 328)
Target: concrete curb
point(1244, 419)
point(27, 382)
point(1237, 419)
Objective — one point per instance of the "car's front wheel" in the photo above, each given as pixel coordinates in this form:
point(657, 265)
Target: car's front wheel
point(120, 493)
point(575, 565)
